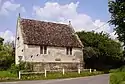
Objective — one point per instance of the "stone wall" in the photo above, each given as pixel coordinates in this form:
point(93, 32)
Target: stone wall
point(55, 66)
point(54, 54)
point(19, 51)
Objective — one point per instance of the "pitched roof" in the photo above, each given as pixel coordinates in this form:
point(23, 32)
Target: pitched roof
point(47, 33)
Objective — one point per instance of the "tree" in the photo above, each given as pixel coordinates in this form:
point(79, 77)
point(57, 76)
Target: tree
point(6, 55)
point(1, 41)
point(117, 10)
point(90, 56)
point(100, 51)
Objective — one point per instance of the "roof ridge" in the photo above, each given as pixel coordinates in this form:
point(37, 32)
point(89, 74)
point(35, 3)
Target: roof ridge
point(44, 21)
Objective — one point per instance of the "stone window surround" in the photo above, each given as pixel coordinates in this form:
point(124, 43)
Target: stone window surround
point(43, 50)
point(68, 50)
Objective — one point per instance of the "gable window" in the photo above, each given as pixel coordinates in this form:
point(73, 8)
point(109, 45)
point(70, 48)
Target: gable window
point(43, 49)
point(69, 51)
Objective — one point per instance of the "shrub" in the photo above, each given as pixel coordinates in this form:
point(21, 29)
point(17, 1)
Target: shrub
point(121, 69)
point(14, 68)
point(23, 66)
point(114, 70)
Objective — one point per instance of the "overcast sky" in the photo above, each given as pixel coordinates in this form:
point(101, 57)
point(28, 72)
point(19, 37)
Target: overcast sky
point(84, 14)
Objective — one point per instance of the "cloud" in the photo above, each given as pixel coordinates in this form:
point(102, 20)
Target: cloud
point(12, 0)
point(113, 35)
point(7, 35)
point(53, 11)
point(23, 9)
point(10, 6)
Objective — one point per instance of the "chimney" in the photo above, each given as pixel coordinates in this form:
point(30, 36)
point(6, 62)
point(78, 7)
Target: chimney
point(19, 15)
point(69, 23)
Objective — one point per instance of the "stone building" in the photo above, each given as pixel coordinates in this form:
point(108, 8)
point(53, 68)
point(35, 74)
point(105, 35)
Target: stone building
point(48, 45)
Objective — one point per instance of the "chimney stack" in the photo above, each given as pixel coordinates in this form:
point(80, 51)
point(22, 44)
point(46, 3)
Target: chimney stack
point(19, 15)
point(69, 23)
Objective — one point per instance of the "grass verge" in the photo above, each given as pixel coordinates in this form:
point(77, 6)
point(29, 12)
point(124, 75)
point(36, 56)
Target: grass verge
point(58, 75)
point(117, 78)
point(7, 76)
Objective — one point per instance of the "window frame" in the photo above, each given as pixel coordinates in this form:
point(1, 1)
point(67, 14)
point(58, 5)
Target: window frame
point(68, 50)
point(43, 49)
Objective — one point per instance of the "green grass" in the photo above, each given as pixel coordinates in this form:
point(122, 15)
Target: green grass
point(7, 76)
point(117, 78)
point(58, 75)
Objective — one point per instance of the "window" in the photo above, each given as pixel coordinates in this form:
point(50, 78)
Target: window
point(43, 50)
point(69, 51)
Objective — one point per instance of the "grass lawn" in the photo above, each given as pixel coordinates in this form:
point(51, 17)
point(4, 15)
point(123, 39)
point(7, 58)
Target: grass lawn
point(58, 75)
point(117, 78)
point(7, 76)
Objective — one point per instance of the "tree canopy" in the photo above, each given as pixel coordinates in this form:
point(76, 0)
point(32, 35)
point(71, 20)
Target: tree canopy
point(6, 54)
point(117, 10)
point(1, 41)
point(100, 51)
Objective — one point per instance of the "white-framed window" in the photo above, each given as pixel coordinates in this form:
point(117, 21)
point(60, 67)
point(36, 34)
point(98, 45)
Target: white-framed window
point(43, 49)
point(69, 50)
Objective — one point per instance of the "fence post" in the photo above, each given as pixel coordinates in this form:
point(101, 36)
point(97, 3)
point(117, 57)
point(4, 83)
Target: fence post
point(19, 74)
point(90, 70)
point(63, 71)
point(45, 73)
point(78, 70)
